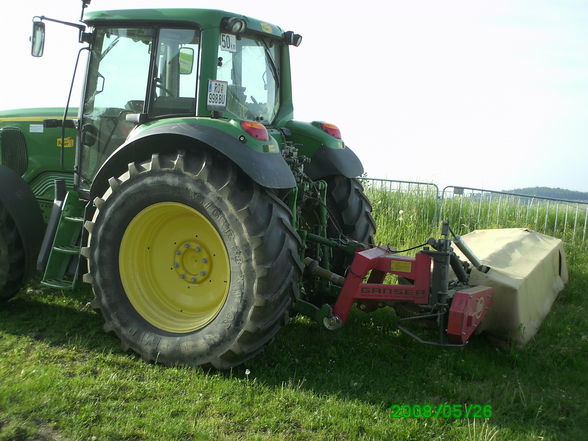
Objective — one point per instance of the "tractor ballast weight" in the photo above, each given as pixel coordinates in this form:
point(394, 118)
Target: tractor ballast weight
point(195, 197)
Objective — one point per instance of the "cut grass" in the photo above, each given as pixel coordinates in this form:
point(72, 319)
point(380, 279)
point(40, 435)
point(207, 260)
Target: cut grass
point(62, 378)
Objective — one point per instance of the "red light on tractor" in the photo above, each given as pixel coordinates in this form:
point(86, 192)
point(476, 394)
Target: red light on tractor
point(255, 129)
point(331, 129)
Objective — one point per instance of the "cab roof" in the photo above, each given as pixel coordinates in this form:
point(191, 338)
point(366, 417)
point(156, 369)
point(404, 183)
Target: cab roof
point(204, 18)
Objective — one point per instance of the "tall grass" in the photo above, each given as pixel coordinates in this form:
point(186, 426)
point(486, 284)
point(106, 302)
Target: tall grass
point(469, 211)
point(409, 216)
point(403, 218)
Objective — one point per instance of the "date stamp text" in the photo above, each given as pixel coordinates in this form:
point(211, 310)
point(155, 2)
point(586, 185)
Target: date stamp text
point(443, 410)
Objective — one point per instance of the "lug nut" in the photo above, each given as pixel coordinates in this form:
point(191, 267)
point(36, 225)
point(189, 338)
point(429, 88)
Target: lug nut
point(205, 260)
point(182, 276)
point(187, 245)
point(176, 265)
point(203, 273)
point(178, 252)
point(193, 279)
point(198, 249)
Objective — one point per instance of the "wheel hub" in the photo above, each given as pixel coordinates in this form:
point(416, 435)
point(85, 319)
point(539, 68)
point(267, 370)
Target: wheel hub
point(192, 262)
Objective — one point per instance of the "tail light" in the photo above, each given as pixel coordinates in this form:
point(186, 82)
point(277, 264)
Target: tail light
point(255, 129)
point(331, 129)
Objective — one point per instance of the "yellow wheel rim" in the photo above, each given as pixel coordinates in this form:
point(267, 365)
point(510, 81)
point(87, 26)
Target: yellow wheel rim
point(174, 267)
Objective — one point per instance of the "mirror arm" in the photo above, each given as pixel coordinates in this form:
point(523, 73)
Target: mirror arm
point(81, 27)
point(85, 37)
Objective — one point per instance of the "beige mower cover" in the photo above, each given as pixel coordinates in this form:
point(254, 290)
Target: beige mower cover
point(528, 270)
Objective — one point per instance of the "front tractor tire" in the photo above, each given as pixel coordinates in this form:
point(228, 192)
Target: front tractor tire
point(12, 257)
point(191, 262)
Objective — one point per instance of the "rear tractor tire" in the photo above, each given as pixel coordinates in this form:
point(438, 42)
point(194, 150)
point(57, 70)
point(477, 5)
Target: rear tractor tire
point(12, 257)
point(350, 213)
point(191, 262)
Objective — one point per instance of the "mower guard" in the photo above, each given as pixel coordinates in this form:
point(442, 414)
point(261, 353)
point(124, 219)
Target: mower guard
point(528, 270)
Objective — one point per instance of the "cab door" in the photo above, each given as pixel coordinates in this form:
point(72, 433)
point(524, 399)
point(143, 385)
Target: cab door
point(147, 71)
point(118, 78)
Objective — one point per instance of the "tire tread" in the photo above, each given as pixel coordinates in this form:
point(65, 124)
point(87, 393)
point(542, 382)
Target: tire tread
point(260, 220)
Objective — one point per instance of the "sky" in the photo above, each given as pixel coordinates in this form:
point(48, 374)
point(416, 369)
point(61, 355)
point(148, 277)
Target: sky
point(484, 94)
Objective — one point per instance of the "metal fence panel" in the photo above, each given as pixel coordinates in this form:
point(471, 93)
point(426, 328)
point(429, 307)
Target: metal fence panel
point(400, 207)
point(403, 210)
point(473, 208)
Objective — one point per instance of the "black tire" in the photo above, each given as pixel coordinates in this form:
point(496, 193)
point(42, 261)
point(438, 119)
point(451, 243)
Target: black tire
point(350, 214)
point(262, 252)
point(12, 258)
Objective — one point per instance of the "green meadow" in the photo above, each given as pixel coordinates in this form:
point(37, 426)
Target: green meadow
point(62, 378)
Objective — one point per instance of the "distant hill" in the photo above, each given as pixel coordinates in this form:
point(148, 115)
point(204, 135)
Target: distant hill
point(556, 193)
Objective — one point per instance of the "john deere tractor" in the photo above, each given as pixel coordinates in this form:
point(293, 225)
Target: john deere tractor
point(202, 213)
point(185, 184)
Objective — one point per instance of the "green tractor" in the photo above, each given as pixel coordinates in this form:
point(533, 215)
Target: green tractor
point(203, 214)
point(182, 189)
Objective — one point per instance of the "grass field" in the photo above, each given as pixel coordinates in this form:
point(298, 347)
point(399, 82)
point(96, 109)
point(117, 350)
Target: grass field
point(62, 378)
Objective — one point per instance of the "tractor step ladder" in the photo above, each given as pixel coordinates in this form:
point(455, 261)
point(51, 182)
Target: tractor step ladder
point(65, 245)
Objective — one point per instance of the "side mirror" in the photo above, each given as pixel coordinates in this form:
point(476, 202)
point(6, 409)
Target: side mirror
point(38, 39)
point(186, 60)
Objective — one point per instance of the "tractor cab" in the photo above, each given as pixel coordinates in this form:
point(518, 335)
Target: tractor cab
point(178, 64)
point(197, 78)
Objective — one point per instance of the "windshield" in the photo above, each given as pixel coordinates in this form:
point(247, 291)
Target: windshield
point(251, 69)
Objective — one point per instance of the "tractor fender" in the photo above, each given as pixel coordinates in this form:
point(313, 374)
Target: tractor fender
point(18, 199)
point(269, 170)
point(327, 161)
